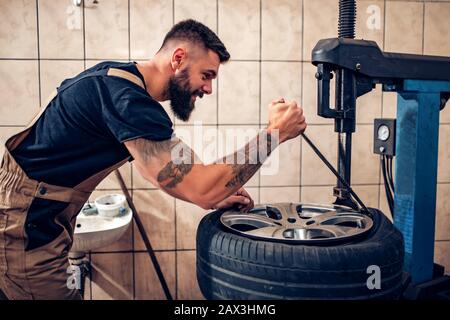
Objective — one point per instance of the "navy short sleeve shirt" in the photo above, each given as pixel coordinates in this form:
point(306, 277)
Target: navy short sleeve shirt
point(84, 127)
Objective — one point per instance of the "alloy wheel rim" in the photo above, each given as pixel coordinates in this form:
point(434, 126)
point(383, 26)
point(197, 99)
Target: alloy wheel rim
point(298, 223)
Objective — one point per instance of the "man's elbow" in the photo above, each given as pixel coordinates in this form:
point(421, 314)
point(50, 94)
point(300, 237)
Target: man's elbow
point(206, 200)
point(195, 196)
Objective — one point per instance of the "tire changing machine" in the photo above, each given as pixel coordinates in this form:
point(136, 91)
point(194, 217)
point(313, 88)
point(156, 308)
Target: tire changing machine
point(422, 84)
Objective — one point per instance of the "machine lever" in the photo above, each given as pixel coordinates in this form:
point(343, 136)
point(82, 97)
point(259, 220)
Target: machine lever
point(342, 180)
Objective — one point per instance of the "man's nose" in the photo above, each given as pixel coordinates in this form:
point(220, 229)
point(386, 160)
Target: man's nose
point(207, 88)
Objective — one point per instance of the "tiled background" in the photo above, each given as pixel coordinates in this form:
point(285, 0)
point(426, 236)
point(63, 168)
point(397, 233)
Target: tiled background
point(270, 41)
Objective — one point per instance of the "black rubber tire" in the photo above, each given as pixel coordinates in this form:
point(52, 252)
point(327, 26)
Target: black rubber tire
point(232, 266)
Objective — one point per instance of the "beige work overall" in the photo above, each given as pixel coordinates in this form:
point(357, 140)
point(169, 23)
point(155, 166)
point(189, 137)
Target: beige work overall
point(40, 273)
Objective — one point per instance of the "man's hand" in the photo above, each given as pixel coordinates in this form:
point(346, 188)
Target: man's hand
point(287, 118)
point(241, 200)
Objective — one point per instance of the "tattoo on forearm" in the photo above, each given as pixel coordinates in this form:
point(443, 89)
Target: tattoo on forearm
point(241, 174)
point(246, 161)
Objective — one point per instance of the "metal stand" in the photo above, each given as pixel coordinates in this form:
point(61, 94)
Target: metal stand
point(144, 236)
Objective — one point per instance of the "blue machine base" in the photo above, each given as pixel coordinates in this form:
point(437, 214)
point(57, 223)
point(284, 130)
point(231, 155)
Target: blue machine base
point(417, 137)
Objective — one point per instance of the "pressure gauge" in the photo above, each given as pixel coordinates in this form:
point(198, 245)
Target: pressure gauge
point(383, 132)
point(384, 137)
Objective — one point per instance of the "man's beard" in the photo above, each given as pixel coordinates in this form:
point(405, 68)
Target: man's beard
point(180, 95)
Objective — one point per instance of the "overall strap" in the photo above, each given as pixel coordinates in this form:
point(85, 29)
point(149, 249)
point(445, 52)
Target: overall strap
point(109, 72)
point(15, 140)
point(81, 192)
point(114, 72)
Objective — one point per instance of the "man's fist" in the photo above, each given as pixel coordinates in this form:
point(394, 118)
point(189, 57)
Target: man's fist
point(287, 118)
point(241, 200)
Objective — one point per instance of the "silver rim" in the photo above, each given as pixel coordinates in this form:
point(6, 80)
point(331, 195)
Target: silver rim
point(296, 222)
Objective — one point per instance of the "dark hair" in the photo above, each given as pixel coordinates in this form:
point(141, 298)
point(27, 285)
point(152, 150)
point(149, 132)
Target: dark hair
point(197, 33)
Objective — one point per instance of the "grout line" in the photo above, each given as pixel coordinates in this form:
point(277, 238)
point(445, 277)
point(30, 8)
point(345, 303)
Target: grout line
point(423, 27)
point(116, 59)
point(268, 60)
point(259, 124)
point(301, 96)
point(174, 201)
point(384, 25)
point(217, 84)
point(276, 186)
point(133, 259)
point(129, 33)
point(382, 103)
point(176, 273)
point(38, 54)
point(84, 36)
point(317, 185)
point(12, 126)
point(19, 59)
point(239, 124)
point(260, 85)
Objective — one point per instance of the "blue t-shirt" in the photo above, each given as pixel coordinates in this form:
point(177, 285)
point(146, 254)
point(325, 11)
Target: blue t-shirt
point(84, 127)
point(81, 133)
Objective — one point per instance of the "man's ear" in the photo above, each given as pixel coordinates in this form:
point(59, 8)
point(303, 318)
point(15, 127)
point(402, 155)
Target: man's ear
point(178, 58)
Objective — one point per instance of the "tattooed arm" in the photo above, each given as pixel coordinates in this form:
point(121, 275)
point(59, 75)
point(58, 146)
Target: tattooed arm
point(174, 167)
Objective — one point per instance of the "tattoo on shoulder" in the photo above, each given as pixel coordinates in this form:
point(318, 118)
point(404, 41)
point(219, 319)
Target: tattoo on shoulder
point(150, 148)
point(174, 173)
point(182, 159)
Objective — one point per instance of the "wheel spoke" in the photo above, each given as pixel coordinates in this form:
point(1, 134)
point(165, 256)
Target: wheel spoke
point(324, 217)
point(338, 231)
point(265, 232)
point(233, 218)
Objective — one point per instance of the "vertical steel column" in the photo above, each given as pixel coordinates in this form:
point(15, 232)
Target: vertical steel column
point(345, 104)
point(345, 126)
point(416, 172)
